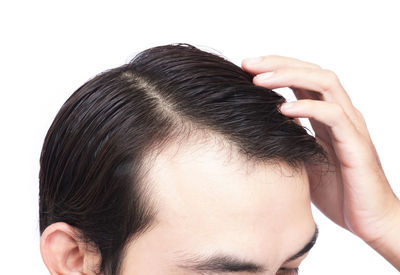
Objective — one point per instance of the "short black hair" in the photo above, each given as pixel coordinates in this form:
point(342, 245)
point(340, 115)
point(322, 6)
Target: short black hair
point(91, 164)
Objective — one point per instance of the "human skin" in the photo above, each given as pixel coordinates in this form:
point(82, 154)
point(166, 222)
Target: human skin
point(211, 200)
point(356, 193)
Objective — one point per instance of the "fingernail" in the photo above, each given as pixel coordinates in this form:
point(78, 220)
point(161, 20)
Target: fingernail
point(264, 76)
point(253, 60)
point(286, 106)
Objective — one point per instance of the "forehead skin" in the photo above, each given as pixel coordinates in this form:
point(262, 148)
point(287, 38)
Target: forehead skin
point(210, 202)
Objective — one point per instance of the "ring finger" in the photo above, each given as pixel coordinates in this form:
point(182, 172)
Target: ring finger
point(309, 81)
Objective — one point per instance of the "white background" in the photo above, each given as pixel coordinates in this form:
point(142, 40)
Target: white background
point(49, 48)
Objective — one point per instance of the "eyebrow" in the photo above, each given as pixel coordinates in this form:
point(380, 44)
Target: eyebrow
point(224, 263)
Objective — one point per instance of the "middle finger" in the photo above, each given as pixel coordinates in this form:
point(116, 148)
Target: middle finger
point(312, 80)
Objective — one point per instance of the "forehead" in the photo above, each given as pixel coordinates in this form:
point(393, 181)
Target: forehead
point(207, 193)
point(210, 201)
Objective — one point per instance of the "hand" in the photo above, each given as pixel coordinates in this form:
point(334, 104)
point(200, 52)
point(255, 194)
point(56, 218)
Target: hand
point(354, 192)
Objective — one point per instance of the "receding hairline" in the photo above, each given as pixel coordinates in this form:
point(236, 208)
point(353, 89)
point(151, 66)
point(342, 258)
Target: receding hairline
point(198, 139)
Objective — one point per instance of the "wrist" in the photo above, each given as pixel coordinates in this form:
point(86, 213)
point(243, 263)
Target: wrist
point(388, 245)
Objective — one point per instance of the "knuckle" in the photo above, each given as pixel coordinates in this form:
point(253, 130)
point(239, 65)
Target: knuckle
point(337, 110)
point(316, 66)
point(337, 114)
point(360, 115)
point(358, 112)
point(332, 78)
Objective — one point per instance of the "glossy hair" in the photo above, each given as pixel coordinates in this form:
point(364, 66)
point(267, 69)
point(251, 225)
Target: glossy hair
point(92, 161)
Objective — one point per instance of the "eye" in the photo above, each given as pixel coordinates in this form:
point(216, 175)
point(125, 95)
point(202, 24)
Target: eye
point(288, 271)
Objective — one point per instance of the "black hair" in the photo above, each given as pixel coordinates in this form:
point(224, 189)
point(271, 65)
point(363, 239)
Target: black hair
point(91, 164)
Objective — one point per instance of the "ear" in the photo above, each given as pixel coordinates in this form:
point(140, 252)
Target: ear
point(63, 252)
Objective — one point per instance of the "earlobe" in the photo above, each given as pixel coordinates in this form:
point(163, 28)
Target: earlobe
point(61, 250)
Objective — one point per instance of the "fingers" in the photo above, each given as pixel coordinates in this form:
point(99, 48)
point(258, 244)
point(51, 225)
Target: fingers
point(276, 71)
point(272, 62)
point(314, 80)
point(318, 84)
point(329, 113)
point(345, 135)
point(307, 80)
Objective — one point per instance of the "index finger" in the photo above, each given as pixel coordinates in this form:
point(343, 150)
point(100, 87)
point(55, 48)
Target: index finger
point(267, 63)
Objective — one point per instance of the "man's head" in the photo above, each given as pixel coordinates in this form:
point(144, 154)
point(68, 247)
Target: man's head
point(175, 163)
